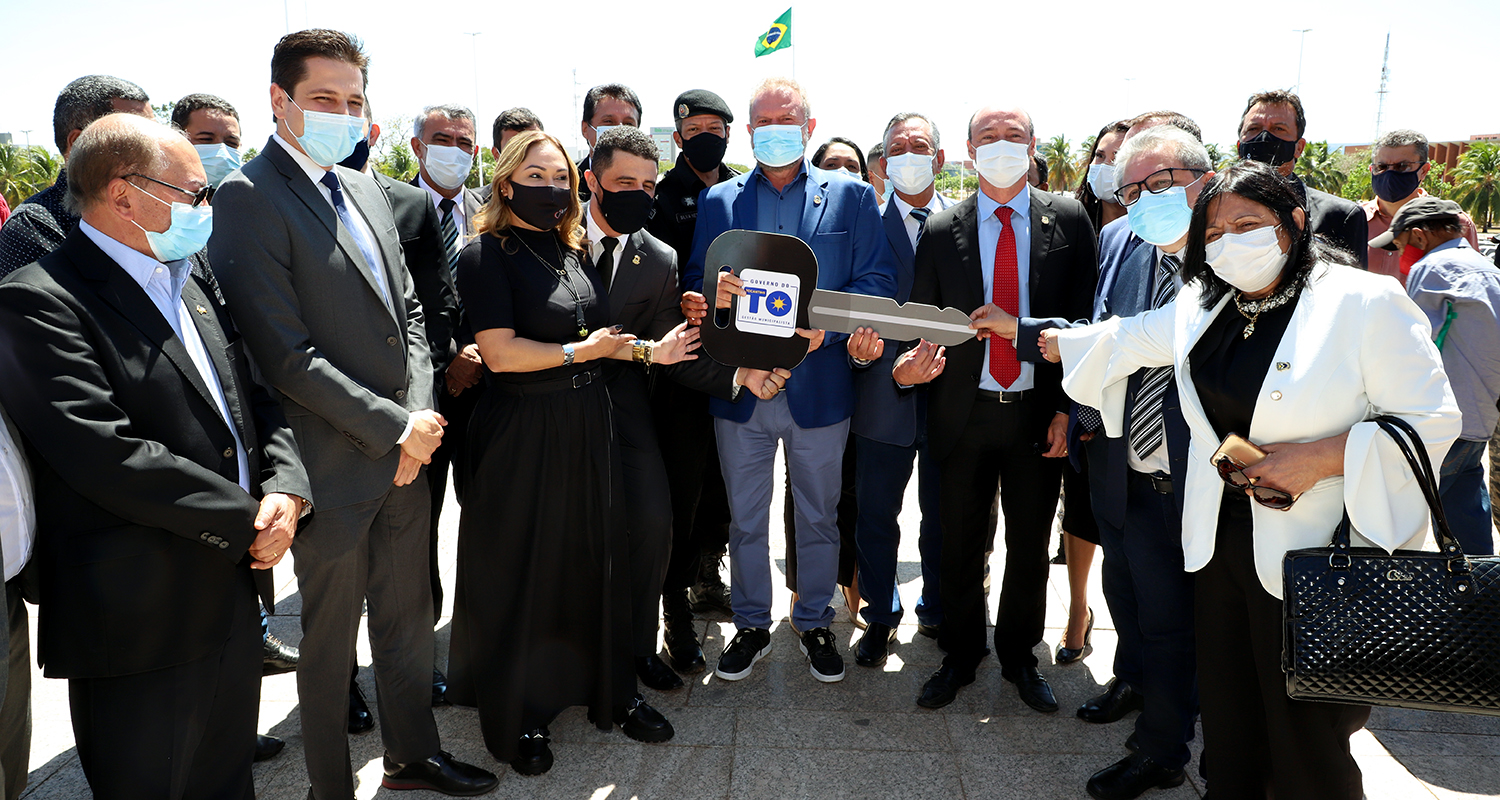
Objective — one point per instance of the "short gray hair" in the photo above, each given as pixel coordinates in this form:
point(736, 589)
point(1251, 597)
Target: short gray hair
point(113, 146)
point(451, 111)
point(1168, 140)
point(1402, 138)
point(937, 138)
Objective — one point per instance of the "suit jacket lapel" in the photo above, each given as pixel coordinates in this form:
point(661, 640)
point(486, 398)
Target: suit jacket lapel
point(1043, 224)
point(895, 232)
point(816, 187)
point(744, 211)
point(358, 201)
point(626, 274)
point(1132, 289)
point(966, 238)
point(214, 344)
point(303, 188)
point(472, 205)
point(1192, 320)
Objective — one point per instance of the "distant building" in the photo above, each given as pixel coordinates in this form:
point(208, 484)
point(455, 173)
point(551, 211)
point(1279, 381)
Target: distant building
point(664, 143)
point(6, 138)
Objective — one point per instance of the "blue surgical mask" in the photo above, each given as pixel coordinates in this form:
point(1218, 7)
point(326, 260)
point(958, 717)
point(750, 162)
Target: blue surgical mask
point(187, 234)
point(778, 145)
point(328, 138)
point(1161, 219)
point(218, 161)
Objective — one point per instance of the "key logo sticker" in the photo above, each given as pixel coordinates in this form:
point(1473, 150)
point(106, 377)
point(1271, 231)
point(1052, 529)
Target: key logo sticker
point(771, 305)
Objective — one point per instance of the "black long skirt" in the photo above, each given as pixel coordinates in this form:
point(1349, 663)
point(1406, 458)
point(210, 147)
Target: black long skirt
point(541, 617)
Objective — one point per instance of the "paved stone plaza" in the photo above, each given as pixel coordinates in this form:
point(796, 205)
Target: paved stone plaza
point(780, 735)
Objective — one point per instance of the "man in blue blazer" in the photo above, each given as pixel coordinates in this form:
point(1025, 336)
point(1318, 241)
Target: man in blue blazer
point(892, 424)
point(838, 218)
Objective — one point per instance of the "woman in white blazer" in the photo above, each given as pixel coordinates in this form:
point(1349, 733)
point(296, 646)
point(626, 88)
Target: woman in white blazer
point(1276, 337)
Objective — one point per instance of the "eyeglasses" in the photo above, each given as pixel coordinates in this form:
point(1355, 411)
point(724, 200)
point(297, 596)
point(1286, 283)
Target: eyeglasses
point(1403, 166)
point(1235, 476)
point(1155, 183)
point(198, 197)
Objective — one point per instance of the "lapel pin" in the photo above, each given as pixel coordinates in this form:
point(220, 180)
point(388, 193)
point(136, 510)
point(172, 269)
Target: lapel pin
point(1046, 220)
point(636, 260)
point(202, 310)
point(1282, 366)
point(817, 199)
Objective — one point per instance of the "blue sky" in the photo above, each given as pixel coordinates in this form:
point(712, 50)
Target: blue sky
point(1075, 66)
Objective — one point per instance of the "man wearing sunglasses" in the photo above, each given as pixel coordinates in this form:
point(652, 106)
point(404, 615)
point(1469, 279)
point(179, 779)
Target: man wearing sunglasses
point(1397, 169)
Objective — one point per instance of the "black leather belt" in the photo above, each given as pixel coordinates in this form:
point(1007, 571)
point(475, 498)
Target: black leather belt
point(1002, 397)
point(577, 380)
point(1160, 482)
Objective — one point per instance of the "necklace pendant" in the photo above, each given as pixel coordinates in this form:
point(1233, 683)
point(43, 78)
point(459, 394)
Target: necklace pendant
point(1249, 329)
point(583, 332)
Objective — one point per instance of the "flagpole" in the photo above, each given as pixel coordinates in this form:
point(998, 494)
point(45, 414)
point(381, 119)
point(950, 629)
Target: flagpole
point(793, 48)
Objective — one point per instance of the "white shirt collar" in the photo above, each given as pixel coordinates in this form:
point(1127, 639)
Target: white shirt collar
point(438, 198)
point(315, 171)
point(596, 237)
point(141, 268)
point(904, 208)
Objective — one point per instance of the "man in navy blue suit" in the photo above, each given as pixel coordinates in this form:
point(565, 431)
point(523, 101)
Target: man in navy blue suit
point(838, 218)
point(1134, 480)
point(892, 424)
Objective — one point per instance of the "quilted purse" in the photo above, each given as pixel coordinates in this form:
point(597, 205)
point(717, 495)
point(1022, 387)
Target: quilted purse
point(1416, 629)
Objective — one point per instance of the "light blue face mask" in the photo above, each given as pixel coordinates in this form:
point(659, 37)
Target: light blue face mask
point(778, 145)
point(328, 138)
point(218, 161)
point(1161, 219)
point(187, 234)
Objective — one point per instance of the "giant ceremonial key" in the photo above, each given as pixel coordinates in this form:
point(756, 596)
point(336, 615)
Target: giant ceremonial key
point(780, 277)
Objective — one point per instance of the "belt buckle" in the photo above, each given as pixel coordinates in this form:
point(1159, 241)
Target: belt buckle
point(587, 378)
point(1014, 398)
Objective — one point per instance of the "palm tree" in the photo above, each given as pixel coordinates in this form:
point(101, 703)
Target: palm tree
point(1061, 171)
point(24, 171)
point(1476, 182)
point(1085, 155)
point(1319, 168)
point(1217, 157)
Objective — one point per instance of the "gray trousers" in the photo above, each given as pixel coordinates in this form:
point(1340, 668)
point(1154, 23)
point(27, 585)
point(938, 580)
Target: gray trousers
point(374, 551)
point(15, 693)
point(747, 457)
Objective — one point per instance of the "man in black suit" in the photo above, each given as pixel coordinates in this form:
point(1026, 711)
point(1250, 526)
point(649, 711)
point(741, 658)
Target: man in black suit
point(167, 482)
point(1271, 131)
point(640, 274)
point(991, 418)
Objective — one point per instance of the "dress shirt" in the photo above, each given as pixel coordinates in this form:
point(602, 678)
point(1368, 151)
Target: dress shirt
point(460, 217)
point(780, 211)
point(596, 236)
point(17, 509)
point(1453, 272)
point(1158, 461)
point(913, 227)
point(1388, 262)
point(163, 282)
point(989, 238)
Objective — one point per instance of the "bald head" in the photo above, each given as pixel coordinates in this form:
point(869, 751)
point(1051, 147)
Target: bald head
point(999, 120)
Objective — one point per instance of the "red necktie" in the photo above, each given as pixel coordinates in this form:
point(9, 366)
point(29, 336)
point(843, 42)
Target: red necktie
point(1007, 295)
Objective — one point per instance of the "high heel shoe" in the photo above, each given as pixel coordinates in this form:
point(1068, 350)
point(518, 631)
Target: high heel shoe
point(1068, 655)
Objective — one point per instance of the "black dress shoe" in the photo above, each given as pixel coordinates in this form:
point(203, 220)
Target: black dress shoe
point(1117, 700)
point(277, 657)
point(441, 773)
point(643, 723)
point(1132, 743)
point(439, 689)
point(930, 631)
point(684, 652)
point(533, 756)
point(874, 647)
point(360, 718)
point(1067, 655)
point(655, 674)
point(943, 686)
point(1032, 688)
point(1131, 777)
point(266, 747)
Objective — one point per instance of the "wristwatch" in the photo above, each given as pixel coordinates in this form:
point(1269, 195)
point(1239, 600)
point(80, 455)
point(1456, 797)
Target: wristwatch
point(567, 355)
point(641, 351)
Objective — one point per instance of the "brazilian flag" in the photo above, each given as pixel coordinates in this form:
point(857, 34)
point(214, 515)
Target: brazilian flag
point(779, 36)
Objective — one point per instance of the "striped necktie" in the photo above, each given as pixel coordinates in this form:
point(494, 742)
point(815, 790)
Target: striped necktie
point(449, 230)
point(1147, 426)
point(920, 215)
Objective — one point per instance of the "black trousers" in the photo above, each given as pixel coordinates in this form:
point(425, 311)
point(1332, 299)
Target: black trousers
point(848, 515)
point(178, 733)
point(450, 456)
point(1265, 744)
point(1001, 443)
point(700, 505)
point(15, 692)
point(648, 526)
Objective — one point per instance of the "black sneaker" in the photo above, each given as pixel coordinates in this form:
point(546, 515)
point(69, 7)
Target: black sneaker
point(747, 647)
point(823, 654)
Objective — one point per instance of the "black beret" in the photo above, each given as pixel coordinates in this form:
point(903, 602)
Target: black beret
point(700, 101)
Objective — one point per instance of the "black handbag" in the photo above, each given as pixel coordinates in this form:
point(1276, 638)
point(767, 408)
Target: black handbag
point(1416, 629)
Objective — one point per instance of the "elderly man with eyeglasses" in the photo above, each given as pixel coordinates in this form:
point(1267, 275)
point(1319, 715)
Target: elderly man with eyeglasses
point(1398, 167)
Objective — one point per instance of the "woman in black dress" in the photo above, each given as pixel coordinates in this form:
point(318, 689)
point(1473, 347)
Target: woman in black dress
point(541, 614)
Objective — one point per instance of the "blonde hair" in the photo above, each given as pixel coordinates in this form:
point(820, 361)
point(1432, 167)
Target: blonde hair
point(781, 86)
point(496, 214)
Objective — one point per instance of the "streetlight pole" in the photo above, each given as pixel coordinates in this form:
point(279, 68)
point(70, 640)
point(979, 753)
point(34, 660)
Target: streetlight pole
point(28, 138)
point(474, 40)
point(1300, 48)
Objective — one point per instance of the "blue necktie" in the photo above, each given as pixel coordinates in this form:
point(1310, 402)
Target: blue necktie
point(366, 247)
point(920, 215)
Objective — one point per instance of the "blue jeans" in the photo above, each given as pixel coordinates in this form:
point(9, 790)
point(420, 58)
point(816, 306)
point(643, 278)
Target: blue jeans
point(1466, 501)
point(882, 472)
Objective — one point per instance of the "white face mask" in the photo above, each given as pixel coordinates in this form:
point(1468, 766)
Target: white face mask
point(1102, 181)
point(448, 167)
point(1003, 163)
point(910, 173)
point(1248, 261)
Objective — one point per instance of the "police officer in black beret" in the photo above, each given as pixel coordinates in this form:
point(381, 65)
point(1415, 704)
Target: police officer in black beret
point(700, 508)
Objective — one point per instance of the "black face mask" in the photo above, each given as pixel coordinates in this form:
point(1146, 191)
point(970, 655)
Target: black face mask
point(1268, 149)
point(1392, 186)
point(357, 159)
point(540, 206)
point(627, 211)
point(705, 151)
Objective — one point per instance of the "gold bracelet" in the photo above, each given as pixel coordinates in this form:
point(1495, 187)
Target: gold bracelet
point(641, 352)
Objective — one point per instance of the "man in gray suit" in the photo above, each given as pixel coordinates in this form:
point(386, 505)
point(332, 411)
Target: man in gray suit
point(336, 328)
